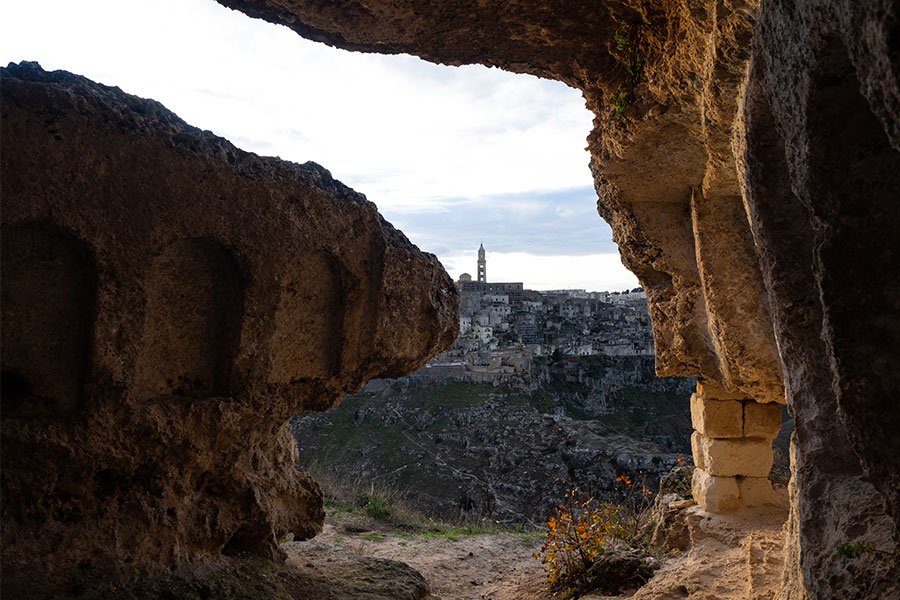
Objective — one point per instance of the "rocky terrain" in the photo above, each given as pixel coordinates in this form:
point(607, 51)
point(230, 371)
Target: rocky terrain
point(476, 452)
point(707, 557)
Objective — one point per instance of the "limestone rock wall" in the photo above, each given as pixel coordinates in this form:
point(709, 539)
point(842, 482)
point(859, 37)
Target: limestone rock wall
point(745, 153)
point(169, 302)
point(663, 81)
point(822, 180)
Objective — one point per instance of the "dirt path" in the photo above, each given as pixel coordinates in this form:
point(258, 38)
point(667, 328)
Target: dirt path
point(469, 567)
point(731, 557)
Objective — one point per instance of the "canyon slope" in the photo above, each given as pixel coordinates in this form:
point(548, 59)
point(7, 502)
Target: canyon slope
point(471, 452)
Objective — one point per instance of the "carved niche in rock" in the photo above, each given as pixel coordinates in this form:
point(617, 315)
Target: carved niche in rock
point(169, 302)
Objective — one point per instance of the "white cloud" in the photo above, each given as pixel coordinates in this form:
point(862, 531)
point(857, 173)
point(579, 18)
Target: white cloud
point(408, 130)
point(416, 138)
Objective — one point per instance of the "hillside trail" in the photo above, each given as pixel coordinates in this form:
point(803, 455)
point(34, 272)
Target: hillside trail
point(466, 567)
point(731, 557)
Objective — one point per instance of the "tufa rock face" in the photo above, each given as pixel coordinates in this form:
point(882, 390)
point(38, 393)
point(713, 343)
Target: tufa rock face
point(746, 155)
point(663, 82)
point(168, 303)
point(822, 178)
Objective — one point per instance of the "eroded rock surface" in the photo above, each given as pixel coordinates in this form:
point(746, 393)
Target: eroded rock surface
point(168, 303)
point(746, 155)
point(337, 573)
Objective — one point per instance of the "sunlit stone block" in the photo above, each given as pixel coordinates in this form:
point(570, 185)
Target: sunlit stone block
point(757, 491)
point(732, 457)
point(714, 391)
point(762, 420)
point(717, 418)
point(695, 450)
point(715, 494)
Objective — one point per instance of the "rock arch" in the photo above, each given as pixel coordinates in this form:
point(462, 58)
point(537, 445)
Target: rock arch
point(192, 321)
point(827, 256)
point(48, 294)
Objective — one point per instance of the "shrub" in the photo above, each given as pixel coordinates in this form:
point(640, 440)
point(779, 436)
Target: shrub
point(627, 49)
point(597, 545)
point(634, 510)
point(376, 507)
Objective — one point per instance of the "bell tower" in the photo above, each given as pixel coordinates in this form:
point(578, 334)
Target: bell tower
point(482, 265)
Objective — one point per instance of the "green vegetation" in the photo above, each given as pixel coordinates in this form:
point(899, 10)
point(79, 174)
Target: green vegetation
point(543, 401)
point(638, 409)
point(376, 507)
point(852, 550)
point(385, 508)
point(632, 59)
point(389, 443)
point(378, 452)
point(857, 549)
point(620, 102)
point(373, 510)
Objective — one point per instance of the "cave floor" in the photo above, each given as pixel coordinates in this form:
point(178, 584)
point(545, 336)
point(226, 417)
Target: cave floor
point(731, 557)
point(498, 566)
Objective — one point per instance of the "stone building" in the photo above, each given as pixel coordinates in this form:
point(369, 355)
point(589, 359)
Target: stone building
point(513, 291)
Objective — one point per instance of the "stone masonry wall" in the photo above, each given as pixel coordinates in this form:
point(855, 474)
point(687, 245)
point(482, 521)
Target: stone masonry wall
point(732, 448)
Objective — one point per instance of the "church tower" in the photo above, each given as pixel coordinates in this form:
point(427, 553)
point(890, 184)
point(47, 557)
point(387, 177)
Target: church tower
point(482, 265)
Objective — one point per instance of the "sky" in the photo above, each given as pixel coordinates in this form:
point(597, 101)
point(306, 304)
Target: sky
point(452, 156)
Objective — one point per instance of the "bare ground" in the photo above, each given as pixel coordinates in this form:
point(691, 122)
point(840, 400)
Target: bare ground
point(468, 567)
point(732, 557)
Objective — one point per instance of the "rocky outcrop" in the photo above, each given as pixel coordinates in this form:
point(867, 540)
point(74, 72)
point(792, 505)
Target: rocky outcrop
point(747, 156)
point(168, 303)
point(477, 453)
point(738, 556)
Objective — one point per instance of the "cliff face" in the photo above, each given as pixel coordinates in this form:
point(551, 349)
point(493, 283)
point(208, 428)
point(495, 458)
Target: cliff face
point(746, 156)
point(459, 450)
point(168, 303)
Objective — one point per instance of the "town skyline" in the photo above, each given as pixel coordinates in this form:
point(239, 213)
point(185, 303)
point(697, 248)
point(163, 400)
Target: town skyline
point(482, 257)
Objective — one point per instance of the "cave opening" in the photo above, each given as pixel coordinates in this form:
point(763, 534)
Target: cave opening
point(451, 155)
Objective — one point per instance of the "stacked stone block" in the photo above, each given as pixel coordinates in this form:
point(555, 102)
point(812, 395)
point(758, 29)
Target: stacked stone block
point(732, 448)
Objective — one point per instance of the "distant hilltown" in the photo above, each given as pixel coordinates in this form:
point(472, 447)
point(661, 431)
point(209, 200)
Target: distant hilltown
point(504, 327)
